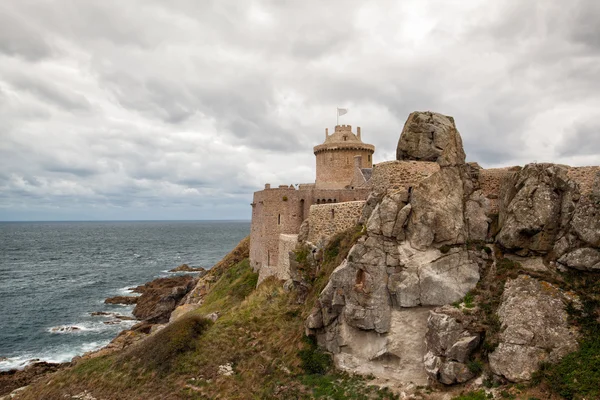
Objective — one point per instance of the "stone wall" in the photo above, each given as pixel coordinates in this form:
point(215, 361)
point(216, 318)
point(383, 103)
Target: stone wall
point(586, 177)
point(281, 210)
point(335, 166)
point(275, 212)
point(490, 181)
point(326, 220)
point(281, 271)
point(392, 175)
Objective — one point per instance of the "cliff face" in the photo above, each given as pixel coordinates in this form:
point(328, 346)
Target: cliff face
point(431, 245)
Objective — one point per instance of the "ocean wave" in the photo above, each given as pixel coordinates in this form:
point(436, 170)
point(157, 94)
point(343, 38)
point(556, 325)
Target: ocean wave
point(58, 354)
point(125, 291)
point(85, 328)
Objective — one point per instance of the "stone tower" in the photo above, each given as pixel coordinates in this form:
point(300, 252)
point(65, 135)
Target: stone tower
point(338, 157)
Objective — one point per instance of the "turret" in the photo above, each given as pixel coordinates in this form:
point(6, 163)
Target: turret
point(336, 157)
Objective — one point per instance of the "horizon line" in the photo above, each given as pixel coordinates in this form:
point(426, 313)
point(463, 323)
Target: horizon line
point(130, 220)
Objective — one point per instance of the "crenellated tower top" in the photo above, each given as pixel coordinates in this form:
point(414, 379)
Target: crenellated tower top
point(335, 157)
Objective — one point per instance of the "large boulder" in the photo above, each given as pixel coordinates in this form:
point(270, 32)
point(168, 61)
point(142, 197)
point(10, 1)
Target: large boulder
point(429, 136)
point(437, 210)
point(449, 345)
point(161, 296)
point(536, 205)
point(431, 278)
point(534, 328)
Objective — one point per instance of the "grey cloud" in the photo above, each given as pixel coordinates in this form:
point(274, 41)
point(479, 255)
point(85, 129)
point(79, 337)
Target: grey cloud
point(21, 38)
point(186, 107)
point(63, 97)
point(583, 138)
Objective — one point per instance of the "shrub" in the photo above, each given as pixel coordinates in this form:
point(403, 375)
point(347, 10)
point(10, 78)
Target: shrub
point(284, 198)
point(159, 352)
point(475, 366)
point(477, 395)
point(313, 360)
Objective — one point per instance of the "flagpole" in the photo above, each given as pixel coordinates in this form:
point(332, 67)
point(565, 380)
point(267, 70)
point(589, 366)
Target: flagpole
point(337, 118)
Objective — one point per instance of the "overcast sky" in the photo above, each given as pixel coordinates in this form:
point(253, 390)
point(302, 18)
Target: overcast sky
point(181, 109)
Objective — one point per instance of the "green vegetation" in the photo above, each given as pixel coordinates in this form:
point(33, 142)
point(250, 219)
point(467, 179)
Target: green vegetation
point(477, 395)
point(314, 360)
point(475, 366)
point(577, 375)
point(259, 333)
point(160, 351)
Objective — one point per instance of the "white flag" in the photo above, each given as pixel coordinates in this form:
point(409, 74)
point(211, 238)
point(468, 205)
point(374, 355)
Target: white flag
point(342, 111)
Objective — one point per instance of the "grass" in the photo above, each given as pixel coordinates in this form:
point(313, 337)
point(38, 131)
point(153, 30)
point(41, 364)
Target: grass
point(161, 351)
point(260, 333)
point(577, 375)
point(476, 395)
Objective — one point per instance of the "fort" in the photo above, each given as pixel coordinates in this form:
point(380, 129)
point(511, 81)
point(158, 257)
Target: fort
point(345, 176)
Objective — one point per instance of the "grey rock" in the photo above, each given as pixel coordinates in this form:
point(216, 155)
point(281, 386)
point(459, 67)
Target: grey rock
point(584, 259)
point(449, 345)
point(476, 210)
point(531, 218)
point(453, 372)
point(586, 223)
point(462, 349)
point(437, 210)
point(429, 136)
point(372, 201)
point(534, 328)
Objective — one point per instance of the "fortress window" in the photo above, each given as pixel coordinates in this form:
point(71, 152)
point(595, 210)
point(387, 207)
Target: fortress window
point(279, 219)
point(369, 157)
point(332, 213)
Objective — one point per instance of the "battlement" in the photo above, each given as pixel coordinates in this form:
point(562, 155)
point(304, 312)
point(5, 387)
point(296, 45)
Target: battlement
point(343, 128)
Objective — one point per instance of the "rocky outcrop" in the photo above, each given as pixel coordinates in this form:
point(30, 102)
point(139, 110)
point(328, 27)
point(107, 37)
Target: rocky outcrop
point(438, 210)
point(160, 297)
point(429, 136)
point(14, 379)
point(430, 278)
point(449, 345)
point(187, 268)
point(544, 212)
point(126, 300)
point(397, 271)
point(535, 208)
point(534, 328)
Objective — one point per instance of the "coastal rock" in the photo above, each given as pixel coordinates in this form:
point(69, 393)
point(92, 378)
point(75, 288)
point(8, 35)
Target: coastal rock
point(584, 259)
point(430, 278)
point(187, 268)
point(534, 328)
point(429, 136)
point(65, 329)
point(126, 300)
point(449, 344)
point(14, 379)
point(181, 310)
point(437, 210)
point(395, 356)
point(531, 211)
point(160, 297)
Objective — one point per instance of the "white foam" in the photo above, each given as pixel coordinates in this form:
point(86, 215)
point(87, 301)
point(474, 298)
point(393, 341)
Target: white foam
point(59, 354)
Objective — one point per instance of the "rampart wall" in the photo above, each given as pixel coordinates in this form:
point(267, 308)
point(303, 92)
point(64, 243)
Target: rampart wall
point(586, 177)
point(281, 210)
point(490, 181)
point(326, 220)
point(392, 175)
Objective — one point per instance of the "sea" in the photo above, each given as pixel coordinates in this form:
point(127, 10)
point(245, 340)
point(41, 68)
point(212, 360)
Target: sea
point(53, 275)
